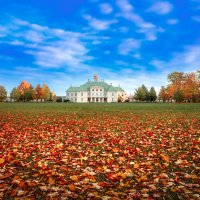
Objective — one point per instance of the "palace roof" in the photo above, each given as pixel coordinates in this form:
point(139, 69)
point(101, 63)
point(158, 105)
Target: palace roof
point(86, 87)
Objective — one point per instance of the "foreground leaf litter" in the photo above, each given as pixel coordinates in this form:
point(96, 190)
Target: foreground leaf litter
point(99, 155)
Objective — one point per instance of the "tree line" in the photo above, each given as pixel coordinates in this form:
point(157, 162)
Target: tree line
point(26, 92)
point(182, 87)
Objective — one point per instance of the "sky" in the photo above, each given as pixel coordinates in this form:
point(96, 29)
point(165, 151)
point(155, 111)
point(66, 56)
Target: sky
point(125, 42)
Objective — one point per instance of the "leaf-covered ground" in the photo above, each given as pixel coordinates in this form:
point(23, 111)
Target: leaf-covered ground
point(99, 155)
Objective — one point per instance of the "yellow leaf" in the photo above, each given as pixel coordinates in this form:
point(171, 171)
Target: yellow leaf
point(72, 187)
point(2, 160)
point(74, 178)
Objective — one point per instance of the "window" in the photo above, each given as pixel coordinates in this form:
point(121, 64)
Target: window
point(75, 94)
point(81, 99)
point(112, 94)
point(72, 94)
point(100, 89)
point(81, 93)
point(96, 89)
point(96, 94)
point(112, 99)
point(92, 89)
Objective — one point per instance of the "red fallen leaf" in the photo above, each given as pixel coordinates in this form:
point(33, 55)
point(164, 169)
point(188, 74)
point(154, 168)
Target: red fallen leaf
point(104, 184)
point(31, 183)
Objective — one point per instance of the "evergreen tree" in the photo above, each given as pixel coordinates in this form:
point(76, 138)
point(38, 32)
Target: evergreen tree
point(152, 95)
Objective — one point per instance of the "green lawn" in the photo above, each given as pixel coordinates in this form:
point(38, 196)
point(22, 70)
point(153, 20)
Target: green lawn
point(112, 107)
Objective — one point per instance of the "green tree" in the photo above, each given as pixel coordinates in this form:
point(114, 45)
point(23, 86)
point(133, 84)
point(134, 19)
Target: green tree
point(178, 96)
point(29, 94)
point(15, 94)
point(3, 93)
point(141, 93)
point(152, 95)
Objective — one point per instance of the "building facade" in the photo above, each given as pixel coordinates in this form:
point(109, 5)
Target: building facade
point(95, 91)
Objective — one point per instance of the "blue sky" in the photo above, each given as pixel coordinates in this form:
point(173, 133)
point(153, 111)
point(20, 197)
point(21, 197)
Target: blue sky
point(126, 42)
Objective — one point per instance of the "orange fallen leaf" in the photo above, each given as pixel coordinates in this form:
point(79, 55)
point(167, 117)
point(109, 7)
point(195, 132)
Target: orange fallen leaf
point(72, 187)
point(51, 181)
point(164, 157)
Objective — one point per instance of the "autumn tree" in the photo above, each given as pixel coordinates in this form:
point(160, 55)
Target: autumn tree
point(15, 94)
point(23, 86)
point(164, 94)
point(29, 94)
point(3, 93)
point(38, 92)
point(46, 92)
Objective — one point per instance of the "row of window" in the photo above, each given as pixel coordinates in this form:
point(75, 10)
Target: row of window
point(93, 94)
point(97, 90)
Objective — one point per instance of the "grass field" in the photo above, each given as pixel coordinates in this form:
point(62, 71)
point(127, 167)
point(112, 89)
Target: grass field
point(99, 151)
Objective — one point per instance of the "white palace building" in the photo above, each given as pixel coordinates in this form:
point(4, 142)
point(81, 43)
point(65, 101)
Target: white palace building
point(96, 91)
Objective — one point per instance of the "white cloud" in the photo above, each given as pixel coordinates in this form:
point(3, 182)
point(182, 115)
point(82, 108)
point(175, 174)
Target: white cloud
point(51, 48)
point(128, 45)
point(161, 7)
point(196, 18)
point(34, 36)
point(3, 31)
point(187, 60)
point(106, 8)
point(124, 5)
point(99, 24)
point(172, 21)
point(149, 29)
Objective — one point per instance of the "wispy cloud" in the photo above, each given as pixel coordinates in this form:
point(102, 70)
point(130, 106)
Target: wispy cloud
point(196, 18)
point(124, 5)
point(149, 29)
point(187, 60)
point(128, 45)
point(99, 24)
point(161, 7)
point(106, 8)
point(172, 21)
point(53, 48)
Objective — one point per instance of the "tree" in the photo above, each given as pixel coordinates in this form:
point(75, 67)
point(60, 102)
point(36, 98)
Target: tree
point(29, 94)
point(38, 92)
point(152, 95)
point(46, 92)
point(178, 96)
point(15, 94)
point(3, 93)
point(164, 94)
point(141, 94)
point(120, 99)
point(52, 97)
point(24, 86)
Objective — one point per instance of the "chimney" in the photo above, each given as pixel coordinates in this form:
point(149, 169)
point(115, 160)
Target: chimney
point(95, 77)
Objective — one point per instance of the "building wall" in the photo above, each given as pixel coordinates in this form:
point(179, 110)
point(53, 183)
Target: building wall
point(111, 96)
point(95, 92)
